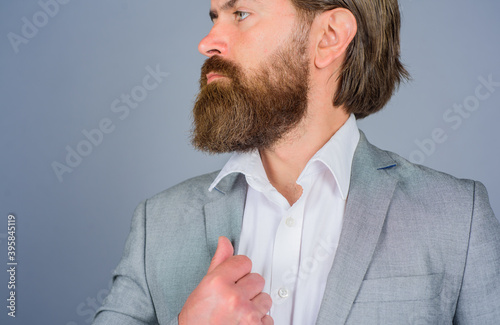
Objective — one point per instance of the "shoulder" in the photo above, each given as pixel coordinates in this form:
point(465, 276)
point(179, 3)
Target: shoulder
point(411, 177)
point(439, 199)
point(418, 187)
point(177, 204)
point(193, 190)
point(435, 191)
point(193, 194)
point(419, 177)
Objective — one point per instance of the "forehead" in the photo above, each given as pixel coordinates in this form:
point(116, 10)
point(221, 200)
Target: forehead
point(229, 4)
point(223, 4)
point(270, 8)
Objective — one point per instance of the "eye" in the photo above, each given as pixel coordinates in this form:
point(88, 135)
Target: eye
point(241, 15)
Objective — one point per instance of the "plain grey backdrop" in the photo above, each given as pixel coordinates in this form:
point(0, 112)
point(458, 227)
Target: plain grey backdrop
point(68, 67)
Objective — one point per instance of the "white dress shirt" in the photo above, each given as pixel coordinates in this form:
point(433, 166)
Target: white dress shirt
point(293, 247)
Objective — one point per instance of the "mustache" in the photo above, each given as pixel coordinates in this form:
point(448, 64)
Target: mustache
point(220, 66)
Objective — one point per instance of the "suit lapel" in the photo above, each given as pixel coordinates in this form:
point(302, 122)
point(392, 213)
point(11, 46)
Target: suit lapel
point(224, 213)
point(370, 193)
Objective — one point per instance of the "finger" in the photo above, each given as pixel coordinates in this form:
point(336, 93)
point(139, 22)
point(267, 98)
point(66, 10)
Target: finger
point(223, 252)
point(262, 302)
point(251, 285)
point(234, 268)
point(267, 320)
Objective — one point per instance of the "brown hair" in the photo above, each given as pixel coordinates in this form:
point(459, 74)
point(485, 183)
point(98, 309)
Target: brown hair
point(372, 69)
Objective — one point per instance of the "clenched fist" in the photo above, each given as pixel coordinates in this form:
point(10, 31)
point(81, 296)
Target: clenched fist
point(228, 294)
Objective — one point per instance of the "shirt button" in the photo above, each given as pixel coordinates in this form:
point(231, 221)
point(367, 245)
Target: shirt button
point(283, 292)
point(290, 222)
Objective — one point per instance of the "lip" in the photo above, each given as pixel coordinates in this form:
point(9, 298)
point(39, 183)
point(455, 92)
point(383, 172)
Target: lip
point(213, 76)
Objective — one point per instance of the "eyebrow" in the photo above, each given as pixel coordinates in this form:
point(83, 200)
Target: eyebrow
point(228, 5)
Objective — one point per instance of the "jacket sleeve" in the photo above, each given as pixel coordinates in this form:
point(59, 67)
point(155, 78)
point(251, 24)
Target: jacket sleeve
point(479, 300)
point(129, 301)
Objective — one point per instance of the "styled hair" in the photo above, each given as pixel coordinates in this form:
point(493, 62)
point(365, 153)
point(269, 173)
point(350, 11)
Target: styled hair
point(372, 69)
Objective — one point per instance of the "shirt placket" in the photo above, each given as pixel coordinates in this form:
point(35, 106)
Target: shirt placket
point(286, 259)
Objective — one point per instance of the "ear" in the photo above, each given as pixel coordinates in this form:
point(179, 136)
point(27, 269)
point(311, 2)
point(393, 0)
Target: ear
point(335, 30)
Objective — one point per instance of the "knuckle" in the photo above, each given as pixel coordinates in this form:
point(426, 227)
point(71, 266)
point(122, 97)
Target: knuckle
point(252, 318)
point(267, 320)
point(215, 282)
point(259, 280)
point(233, 302)
point(244, 261)
point(255, 281)
point(264, 301)
point(267, 301)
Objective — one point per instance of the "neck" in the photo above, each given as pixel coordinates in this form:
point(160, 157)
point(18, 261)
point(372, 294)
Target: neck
point(286, 160)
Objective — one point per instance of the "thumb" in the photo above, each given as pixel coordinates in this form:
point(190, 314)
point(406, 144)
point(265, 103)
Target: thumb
point(223, 252)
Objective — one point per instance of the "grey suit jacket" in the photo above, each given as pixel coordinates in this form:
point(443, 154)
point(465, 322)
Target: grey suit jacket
point(417, 247)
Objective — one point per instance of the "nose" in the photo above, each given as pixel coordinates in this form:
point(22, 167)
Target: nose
point(215, 43)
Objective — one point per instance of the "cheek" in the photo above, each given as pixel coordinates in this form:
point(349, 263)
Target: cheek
point(254, 45)
point(251, 50)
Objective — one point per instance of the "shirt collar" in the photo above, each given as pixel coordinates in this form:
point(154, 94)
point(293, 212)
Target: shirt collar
point(337, 155)
point(248, 164)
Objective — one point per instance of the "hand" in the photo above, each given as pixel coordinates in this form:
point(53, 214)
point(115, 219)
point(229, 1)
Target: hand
point(229, 293)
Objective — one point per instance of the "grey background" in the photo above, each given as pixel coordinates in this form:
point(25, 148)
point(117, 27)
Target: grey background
point(70, 234)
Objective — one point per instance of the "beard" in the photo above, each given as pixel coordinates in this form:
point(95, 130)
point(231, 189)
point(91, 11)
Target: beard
point(241, 112)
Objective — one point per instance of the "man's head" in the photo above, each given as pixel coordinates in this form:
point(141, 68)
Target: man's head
point(270, 59)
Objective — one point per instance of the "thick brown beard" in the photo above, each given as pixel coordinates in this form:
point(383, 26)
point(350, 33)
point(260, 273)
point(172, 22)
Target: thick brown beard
point(239, 113)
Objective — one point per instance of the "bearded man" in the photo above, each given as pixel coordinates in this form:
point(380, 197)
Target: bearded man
point(307, 223)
